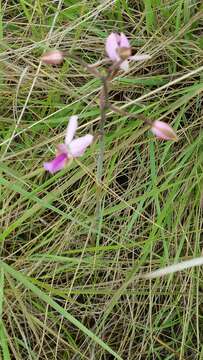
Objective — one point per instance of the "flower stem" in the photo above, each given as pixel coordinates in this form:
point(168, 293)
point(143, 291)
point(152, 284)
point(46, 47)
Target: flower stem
point(103, 106)
point(132, 116)
point(100, 160)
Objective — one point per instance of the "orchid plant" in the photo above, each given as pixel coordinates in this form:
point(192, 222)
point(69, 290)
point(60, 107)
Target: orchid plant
point(119, 52)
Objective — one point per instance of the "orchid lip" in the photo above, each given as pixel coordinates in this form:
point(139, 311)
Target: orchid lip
point(57, 163)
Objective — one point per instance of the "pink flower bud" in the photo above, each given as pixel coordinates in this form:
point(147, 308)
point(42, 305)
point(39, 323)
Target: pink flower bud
point(163, 131)
point(53, 57)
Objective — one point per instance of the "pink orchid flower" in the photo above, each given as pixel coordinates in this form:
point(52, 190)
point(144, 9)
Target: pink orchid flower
point(118, 48)
point(163, 131)
point(71, 148)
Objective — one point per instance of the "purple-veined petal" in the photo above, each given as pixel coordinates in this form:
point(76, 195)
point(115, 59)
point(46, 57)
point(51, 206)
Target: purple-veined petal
point(56, 164)
point(163, 131)
point(124, 65)
point(124, 41)
point(111, 47)
point(78, 146)
point(71, 129)
point(140, 57)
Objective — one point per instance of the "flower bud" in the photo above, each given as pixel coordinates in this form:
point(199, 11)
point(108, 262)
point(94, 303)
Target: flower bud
point(53, 57)
point(163, 131)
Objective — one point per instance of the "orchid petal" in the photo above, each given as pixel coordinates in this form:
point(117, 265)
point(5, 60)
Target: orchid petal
point(111, 47)
point(61, 148)
point(140, 57)
point(124, 65)
point(56, 164)
point(78, 146)
point(124, 41)
point(71, 129)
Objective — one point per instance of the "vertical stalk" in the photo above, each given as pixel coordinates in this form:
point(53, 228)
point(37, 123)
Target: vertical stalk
point(100, 159)
point(103, 106)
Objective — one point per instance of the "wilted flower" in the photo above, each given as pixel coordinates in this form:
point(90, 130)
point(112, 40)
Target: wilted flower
point(118, 48)
point(53, 57)
point(71, 148)
point(163, 131)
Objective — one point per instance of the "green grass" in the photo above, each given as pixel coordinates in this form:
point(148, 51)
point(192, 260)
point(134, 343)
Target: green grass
point(70, 289)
